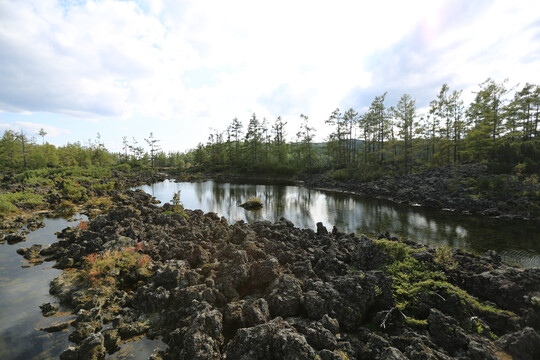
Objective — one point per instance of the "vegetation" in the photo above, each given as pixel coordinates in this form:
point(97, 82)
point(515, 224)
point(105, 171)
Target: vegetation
point(253, 202)
point(176, 206)
point(109, 268)
point(12, 202)
point(494, 128)
point(412, 278)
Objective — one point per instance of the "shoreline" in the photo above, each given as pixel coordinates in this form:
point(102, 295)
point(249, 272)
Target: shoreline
point(408, 194)
point(226, 290)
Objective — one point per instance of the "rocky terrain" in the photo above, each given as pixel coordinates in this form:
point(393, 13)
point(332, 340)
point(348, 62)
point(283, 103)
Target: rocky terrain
point(213, 290)
point(464, 188)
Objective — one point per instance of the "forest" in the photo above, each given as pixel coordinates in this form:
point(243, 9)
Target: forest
point(495, 129)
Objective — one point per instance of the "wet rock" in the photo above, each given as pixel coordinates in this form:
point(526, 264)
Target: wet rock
point(523, 344)
point(14, 238)
point(367, 256)
point(84, 330)
point(48, 309)
point(284, 296)
point(55, 327)
point(315, 333)
point(111, 340)
point(222, 291)
point(263, 273)
point(64, 263)
point(132, 329)
point(321, 230)
point(30, 253)
point(274, 340)
point(330, 323)
point(446, 333)
point(329, 355)
point(92, 348)
point(255, 312)
point(203, 338)
point(391, 353)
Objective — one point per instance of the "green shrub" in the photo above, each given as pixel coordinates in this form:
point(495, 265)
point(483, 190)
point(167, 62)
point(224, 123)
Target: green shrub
point(411, 278)
point(73, 190)
point(11, 202)
point(66, 207)
point(6, 207)
point(124, 168)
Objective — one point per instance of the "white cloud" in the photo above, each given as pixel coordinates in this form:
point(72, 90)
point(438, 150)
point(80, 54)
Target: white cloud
point(196, 64)
point(33, 129)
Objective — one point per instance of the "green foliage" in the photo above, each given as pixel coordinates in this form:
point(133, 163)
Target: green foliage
point(123, 167)
point(397, 250)
point(416, 323)
point(6, 207)
point(72, 189)
point(177, 206)
point(443, 257)
point(12, 202)
point(411, 278)
point(66, 207)
point(255, 200)
point(101, 203)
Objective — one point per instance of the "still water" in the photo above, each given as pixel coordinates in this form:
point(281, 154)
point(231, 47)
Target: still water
point(23, 289)
point(517, 241)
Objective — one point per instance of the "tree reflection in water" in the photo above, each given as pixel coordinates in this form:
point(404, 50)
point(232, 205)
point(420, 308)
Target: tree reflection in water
point(517, 241)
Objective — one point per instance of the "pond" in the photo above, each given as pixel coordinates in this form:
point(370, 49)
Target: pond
point(518, 242)
point(23, 289)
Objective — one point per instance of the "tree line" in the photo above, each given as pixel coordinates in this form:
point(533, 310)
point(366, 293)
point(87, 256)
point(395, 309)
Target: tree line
point(22, 151)
point(385, 139)
point(494, 128)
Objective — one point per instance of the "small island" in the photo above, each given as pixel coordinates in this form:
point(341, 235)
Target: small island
point(253, 203)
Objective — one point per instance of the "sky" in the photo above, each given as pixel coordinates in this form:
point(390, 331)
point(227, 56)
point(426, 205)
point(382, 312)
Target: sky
point(179, 68)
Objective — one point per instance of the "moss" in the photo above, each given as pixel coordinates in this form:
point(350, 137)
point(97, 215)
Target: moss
point(395, 249)
point(411, 278)
point(416, 323)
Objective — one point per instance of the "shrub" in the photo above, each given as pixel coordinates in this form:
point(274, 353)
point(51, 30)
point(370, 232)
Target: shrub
point(6, 207)
point(443, 257)
point(66, 207)
point(411, 278)
point(107, 186)
point(102, 203)
point(73, 190)
point(11, 202)
point(108, 268)
point(123, 167)
point(177, 206)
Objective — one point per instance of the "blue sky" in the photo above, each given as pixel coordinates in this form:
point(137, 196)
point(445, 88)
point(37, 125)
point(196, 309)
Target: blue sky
point(178, 68)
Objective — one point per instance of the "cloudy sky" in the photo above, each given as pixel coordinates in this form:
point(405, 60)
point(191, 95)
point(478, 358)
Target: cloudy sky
point(177, 68)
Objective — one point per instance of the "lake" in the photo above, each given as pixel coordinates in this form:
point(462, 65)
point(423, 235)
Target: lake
point(518, 242)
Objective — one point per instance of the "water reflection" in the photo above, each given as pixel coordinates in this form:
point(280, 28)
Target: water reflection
point(22, 290)
point(517, 241)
